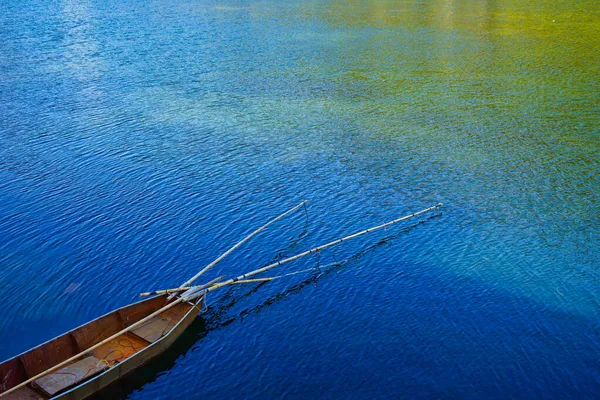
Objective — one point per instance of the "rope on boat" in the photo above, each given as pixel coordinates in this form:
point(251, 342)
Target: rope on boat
point(201, 299)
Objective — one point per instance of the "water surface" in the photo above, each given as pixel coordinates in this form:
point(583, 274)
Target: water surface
point(139, 140)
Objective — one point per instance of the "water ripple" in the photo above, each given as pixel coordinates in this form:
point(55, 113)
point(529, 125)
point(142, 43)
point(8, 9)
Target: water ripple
point(132, 154)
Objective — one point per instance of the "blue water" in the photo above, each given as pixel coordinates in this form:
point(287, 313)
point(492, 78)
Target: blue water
point(140, 140)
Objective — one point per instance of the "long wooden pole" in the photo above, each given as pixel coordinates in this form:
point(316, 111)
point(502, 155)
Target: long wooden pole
point(182, 289)
point(271, 278)
point(250, 236)
point(314, 250)
point(94, 347)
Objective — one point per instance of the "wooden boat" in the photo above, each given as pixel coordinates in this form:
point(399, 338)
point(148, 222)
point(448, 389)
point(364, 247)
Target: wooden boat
point(99, 367)
point(81, 362)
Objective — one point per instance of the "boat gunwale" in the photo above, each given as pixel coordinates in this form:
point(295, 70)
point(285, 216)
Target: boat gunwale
point(74, 329)
point(194, 306)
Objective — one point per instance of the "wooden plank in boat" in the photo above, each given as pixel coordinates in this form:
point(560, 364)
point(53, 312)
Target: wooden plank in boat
point(70, 375)
point(154, 329)
point(162, 324)
point(120, 348)
point(176, 313)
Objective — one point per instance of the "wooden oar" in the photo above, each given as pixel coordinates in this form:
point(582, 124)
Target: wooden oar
point(222, 256)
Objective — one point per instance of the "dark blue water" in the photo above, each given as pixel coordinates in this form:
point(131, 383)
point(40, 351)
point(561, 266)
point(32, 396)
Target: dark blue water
point(140, 140)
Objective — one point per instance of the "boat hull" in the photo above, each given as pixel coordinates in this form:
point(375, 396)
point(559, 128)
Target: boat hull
point(118, 358)
point(112, 375)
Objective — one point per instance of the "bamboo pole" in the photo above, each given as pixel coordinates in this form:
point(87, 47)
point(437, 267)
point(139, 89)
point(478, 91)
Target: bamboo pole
point(94, 347)
point(314, 250)
point(186, 288)
point(272, 278)
point(181, 289)
point(255, 280)
point(250, 236)
point(209, 287)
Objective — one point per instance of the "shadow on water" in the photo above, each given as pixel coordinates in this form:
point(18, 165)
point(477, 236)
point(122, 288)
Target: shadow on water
point(216, 317)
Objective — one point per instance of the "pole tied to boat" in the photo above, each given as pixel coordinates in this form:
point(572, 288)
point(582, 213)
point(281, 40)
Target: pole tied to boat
point(222, 256)
point(319, 248)
point(243, 278)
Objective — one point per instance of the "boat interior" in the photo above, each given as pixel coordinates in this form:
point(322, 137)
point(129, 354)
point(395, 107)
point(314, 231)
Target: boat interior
point(89, 364)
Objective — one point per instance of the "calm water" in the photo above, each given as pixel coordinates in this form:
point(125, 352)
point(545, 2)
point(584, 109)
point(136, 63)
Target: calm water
point(139, 140)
